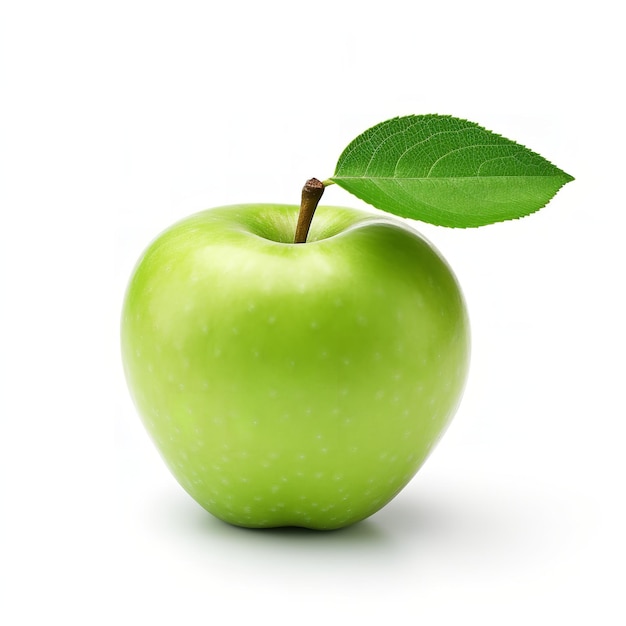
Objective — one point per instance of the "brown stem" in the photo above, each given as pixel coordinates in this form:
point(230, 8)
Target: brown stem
point(311, 195)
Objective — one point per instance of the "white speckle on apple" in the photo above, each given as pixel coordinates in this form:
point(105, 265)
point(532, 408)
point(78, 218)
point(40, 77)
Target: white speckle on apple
point(407, 476)
point(271, 319)
point(275, 488)
point(181, 387)
point(314, 325)
point(234, 330)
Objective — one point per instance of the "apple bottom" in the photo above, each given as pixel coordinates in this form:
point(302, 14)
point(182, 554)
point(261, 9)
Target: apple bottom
point(294, 385)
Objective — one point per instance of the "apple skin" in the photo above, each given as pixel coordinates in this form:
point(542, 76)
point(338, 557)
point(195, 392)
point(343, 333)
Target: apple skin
point(294, 384)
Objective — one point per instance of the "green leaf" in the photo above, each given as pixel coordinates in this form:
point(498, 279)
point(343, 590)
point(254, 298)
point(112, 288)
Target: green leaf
point(446, 171)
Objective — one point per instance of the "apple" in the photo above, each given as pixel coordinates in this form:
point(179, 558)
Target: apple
point(294, 384)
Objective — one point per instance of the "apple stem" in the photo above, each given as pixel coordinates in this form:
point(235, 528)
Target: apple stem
point(311, 195)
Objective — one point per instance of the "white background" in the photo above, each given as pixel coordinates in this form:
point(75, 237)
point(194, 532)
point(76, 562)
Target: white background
point(119, 118)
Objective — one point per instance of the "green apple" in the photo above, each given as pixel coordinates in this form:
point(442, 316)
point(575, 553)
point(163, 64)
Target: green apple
point(294, 384)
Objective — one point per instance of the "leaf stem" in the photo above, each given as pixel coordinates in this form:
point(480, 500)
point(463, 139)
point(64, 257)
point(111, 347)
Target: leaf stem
point(311, 195)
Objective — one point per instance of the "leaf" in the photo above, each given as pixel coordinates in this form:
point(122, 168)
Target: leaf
point(446, 171)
